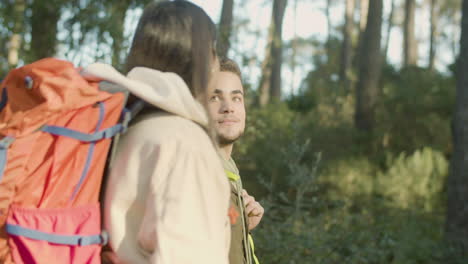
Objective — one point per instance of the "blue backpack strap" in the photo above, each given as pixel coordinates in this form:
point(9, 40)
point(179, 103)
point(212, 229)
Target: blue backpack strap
point(84, 137)
point(127, 116)
point(71, 240)
point(4, 99)
point(102, 112)
point(4, 145)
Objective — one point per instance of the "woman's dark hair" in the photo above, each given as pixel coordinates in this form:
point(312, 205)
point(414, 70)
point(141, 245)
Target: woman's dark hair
point(176, 36)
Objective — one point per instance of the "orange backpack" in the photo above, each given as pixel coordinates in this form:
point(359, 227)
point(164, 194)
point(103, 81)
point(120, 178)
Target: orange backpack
point(55, 134)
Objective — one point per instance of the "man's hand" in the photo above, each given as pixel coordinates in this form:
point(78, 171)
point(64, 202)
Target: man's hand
point(109, 257)
point(253, 210)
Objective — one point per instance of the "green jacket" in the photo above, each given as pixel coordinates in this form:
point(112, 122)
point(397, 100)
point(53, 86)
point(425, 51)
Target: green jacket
point(241, 250)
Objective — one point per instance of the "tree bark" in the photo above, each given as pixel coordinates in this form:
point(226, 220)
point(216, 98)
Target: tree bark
point(16, 37)
point(45, 15)
point(410, 45)
point(279, 7)
point(433, 34)
point(367, 90)
point(363, 11)
point(329, 29)
point(117, 12)
point(389, 30)
point(457, 188)
point(347, 48)
point(265, 79)
point(271, 70)
point(225, 28)
point(294, 51)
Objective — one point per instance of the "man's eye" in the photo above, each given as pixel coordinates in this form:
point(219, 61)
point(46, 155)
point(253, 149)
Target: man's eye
point(214, 98)
point(237, 99)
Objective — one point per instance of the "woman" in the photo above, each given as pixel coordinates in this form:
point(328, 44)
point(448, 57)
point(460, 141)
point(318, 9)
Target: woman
point(167, 197)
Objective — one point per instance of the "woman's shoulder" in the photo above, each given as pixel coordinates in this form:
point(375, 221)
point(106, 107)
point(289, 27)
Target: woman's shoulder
point(162, 126)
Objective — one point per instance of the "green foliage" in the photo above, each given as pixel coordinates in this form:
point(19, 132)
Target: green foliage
point(374, 235)
point(370, 198)
point(353, 214)
point(349, 179)
point(82, 29)
point(415, 111)
point(268, 131)
point(415, 181)
point(350, 223)
point(322, 82)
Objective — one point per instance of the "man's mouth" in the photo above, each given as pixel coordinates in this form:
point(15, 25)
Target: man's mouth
point(227, 121)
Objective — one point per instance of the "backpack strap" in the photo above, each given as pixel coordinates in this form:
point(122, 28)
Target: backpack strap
point(130, 113)
point(84, 137)
point(4, 99)
point(72, 240)
point(127, 116)
point(6, 141)
point(4, 144)
point(252, 246)
point(232, 176)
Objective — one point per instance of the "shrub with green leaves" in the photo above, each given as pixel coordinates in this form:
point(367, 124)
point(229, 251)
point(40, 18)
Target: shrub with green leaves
point(367, 197)
point(416, 180)
point(415, 110)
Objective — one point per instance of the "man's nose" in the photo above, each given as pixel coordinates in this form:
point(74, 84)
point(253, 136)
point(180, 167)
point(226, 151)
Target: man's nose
point(227, 106)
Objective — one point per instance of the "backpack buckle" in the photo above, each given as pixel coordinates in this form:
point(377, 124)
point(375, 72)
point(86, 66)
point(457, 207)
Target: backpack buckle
point(104, 237)
point(6, 142)
point(127, 117)
point(28, 82)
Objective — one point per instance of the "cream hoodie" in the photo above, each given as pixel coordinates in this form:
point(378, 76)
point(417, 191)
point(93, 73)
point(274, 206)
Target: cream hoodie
point(167, 196)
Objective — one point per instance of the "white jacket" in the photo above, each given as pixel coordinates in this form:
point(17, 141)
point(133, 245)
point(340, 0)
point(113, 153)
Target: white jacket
point(167, 196)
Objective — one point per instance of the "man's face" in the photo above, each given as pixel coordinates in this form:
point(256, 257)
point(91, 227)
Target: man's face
point(226, 107)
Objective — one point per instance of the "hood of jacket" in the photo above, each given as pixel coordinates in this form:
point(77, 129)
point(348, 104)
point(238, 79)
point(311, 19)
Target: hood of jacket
point(165, 90)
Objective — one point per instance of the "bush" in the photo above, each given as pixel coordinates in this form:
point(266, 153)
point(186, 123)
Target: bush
point(333, 194)
point(260, 152)
point(375, 234)
point(416, 109)
point(415, 181)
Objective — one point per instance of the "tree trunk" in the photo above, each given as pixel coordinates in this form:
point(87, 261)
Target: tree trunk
point(118, 11)
point(225, 28)
point(457, 188)
point(347, 48)
point(410, 45)
point(329, 30)
point(271, 69)
point(363, 10)
point(279, 7)
point(294, 51)
point(16, 39)
point(265, 79)
point(389, 30)
point(433, 32)
point(367, 90)
point(45, 15)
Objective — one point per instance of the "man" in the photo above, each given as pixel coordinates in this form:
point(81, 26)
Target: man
point(227, 111)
